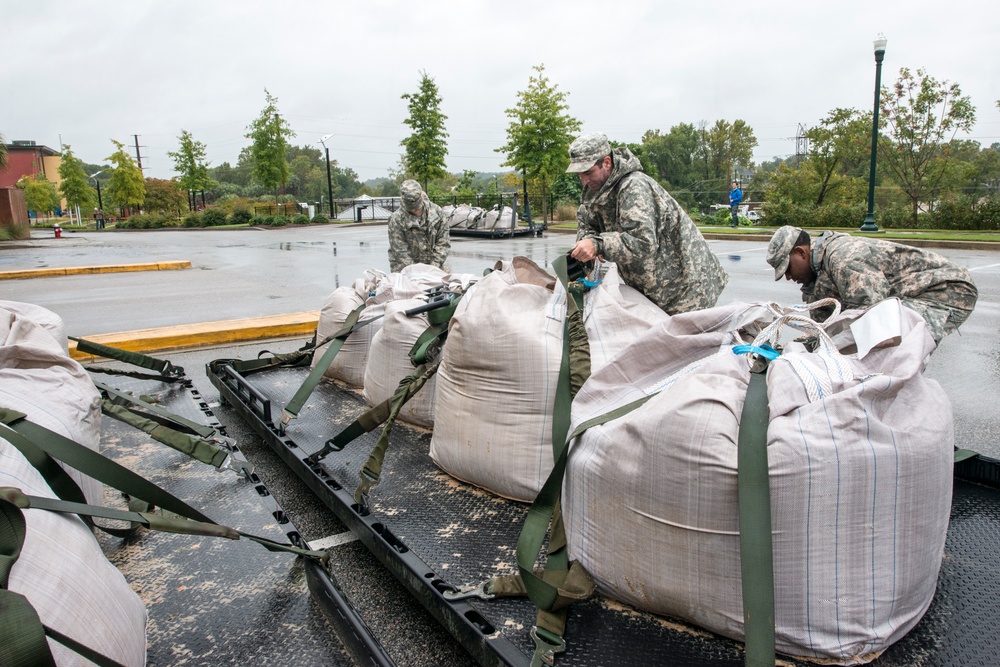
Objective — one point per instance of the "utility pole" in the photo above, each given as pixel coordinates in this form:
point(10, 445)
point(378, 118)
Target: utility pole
point(138, 158)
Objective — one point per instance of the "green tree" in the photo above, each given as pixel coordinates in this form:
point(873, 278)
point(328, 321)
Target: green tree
point(918, 115)
point(426, 148)
point(39, 194)
point(842, 138)
point(672, 154)
point(540, 132)
point(269, 135)
point(165, 196)
point(126, 188)
point(189, 162)
point(74, 186)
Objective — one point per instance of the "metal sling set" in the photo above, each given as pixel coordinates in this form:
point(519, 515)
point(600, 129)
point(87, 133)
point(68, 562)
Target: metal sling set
point(22, 635)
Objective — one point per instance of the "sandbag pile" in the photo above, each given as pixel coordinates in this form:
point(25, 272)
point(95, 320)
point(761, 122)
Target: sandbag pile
point(374, 289)
point(496, 384)
point(466, 216)
point(860, 455)
point(62, 570)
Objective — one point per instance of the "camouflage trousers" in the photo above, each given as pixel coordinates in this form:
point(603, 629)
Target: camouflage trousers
point(946, 308)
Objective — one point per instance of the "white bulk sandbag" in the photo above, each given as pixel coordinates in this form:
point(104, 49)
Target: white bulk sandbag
point(67, 579)
point(374, 289)
point(43, 316)
point(860, 461)
point(38, 378)
point(389, 362)
point(506, 447)
point(489, 220)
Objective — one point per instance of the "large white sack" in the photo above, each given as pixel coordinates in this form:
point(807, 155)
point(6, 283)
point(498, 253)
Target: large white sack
point(497, 380)
point(38, 378)
point(43, 316)
point(68, 580)
point(860, 463)
point(389, 362)
point(373, 289)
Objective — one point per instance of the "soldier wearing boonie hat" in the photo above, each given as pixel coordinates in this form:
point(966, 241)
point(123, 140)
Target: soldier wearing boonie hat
point(861, 272)
point(626, 217)
point(418, 232)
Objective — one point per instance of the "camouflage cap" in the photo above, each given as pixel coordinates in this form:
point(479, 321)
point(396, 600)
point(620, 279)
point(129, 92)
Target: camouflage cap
point(412, 195)
point(780, 247)
point(586, 151)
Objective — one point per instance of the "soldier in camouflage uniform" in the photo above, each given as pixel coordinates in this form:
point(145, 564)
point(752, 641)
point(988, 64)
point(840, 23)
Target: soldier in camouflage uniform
point(860, 272)
point(627, 218)
point(418, 232)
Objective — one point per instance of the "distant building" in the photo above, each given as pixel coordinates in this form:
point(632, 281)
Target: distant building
point(25, 158)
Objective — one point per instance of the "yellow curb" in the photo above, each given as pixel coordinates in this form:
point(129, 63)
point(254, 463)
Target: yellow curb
point(87, 270)
point(188, 336)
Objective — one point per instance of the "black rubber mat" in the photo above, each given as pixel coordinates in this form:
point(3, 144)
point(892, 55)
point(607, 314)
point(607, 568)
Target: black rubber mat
point(212, 601)
point(466, 535)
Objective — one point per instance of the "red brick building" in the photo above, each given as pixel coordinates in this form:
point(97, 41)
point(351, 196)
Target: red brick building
point(24, 158)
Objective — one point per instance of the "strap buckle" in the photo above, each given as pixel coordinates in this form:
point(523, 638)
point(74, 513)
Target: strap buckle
point(547, 644)
point(481, 591)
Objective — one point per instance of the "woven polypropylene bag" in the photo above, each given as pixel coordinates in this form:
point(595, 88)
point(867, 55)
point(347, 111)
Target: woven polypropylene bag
point(860, 464)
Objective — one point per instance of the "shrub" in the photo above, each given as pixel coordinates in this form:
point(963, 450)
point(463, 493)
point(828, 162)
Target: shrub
point(987, 214)
point(300, 219)
point(280, 221)
point(838, 216)
point(893, 217)
point(213, 217)
point(565, 211)
point(192, 220)
point(319, 217)
point(263, 220)
point(241, 216)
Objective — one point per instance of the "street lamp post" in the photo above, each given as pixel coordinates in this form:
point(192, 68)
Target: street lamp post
point(329, 180)
point(100, 204)
point(869, 224)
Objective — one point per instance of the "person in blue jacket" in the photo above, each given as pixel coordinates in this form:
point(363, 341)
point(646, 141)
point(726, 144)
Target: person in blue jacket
point(735, 197)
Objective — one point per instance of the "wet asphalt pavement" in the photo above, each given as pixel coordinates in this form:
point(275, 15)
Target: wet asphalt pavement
point(248, 273)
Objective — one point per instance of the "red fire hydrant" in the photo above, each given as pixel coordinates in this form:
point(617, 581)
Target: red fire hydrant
point(58, 230)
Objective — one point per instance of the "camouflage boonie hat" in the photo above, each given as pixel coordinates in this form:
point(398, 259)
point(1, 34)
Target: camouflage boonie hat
point(780, 248)
point(412, 195)
point(586, 151)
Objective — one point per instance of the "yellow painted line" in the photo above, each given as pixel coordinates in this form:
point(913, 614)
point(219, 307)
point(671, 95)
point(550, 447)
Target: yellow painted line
point(205, 334)
point(87, 270)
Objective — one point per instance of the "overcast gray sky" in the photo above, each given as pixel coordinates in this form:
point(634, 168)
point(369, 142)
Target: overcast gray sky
point(87, 72)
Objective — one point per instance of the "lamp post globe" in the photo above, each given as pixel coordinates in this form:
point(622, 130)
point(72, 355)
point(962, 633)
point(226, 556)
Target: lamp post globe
point(869, 223)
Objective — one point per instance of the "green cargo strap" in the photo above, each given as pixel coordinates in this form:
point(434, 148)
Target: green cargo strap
point(161, 366)
point(291, 411)
point(196, 448)
point(377, 415)
point(544, 591)
point(22, 637)
point(429, 343)
point(19, 430)
point(369, 421)
point(167, 524)
point(371, 473)
point(158, 414)
point(754, 498)
point(964, 454)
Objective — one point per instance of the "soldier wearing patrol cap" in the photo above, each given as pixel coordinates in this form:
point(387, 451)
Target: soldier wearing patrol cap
point(626, 217)
point(418, 232)
point(860, 272)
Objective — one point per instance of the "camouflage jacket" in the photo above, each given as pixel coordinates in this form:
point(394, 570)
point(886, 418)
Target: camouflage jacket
point(419, 239)
point(859, 272)
point(659, 251)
